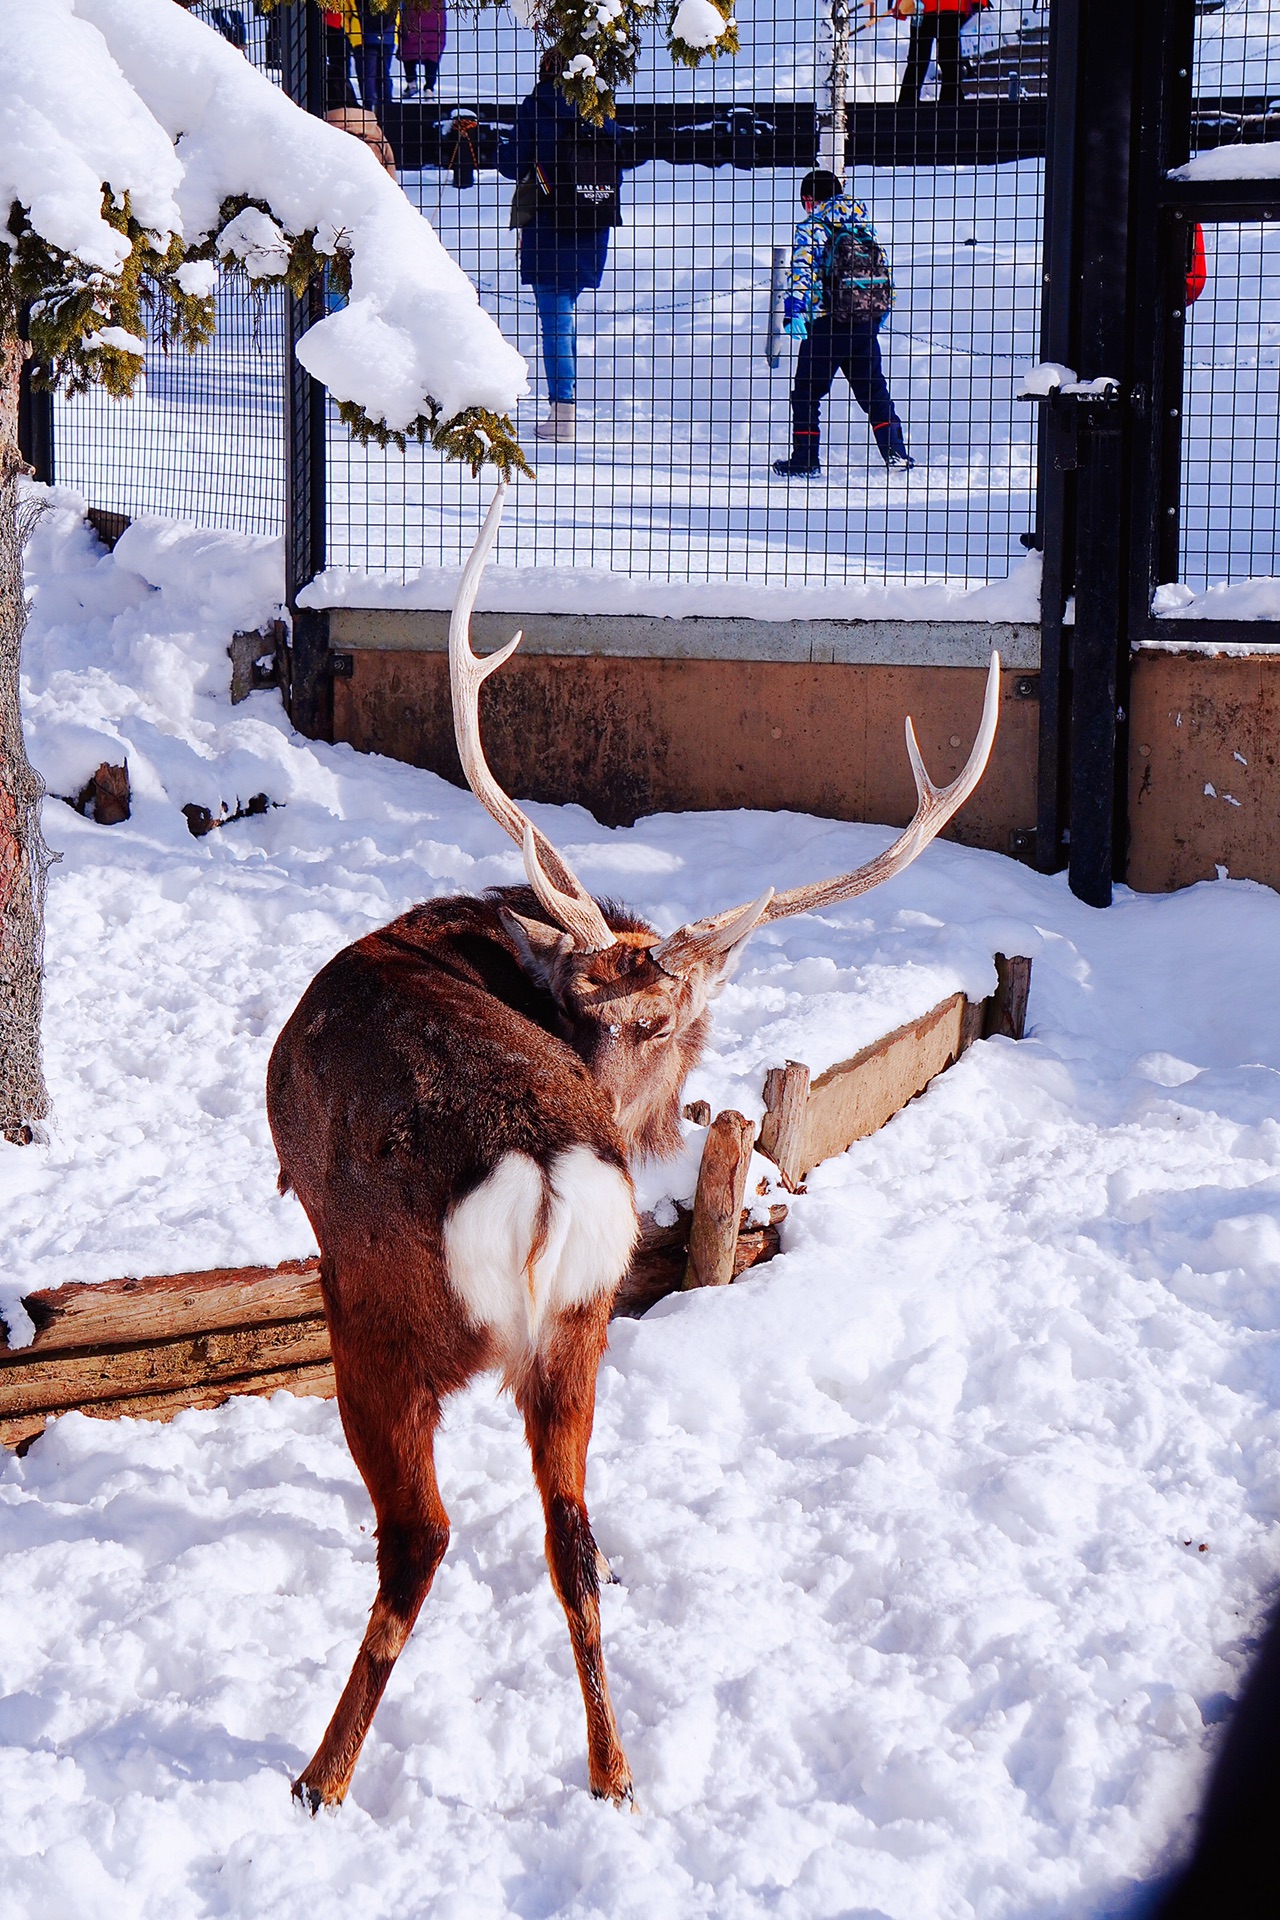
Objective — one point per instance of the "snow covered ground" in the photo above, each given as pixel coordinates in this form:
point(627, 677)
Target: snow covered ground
point(943, 1539)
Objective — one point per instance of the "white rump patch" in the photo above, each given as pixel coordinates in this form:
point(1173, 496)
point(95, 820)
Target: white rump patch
point(505, 1280)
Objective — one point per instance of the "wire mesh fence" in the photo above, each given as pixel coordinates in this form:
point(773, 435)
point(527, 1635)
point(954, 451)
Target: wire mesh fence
point(676, 413)
point(1231, 410)
point(1230, 506)
point(203, 436)
point(683, 387)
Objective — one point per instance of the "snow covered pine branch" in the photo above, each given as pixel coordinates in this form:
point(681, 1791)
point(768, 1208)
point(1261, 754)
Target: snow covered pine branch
point(598, 40)
point(138, 150)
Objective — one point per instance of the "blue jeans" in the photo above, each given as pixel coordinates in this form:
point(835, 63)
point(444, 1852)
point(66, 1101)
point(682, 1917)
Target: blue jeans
point(373, 65)
point(559, 340)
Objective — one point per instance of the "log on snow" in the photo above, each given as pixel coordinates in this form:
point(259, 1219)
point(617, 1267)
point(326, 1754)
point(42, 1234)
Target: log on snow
point(717, 1204)
point(807, 1122)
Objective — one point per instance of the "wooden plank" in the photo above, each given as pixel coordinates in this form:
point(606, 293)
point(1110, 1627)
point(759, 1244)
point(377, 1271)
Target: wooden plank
point(78, 1379)
point(854, 1099)
point(786, 1099)
point(71, 1366)
point(1006, 1010)
point(314, 1381)
point(131, 1312)
point(659, 1265)
point(717, 1204)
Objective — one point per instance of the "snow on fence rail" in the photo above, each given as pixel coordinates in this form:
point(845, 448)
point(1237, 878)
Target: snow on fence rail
point(154, 1346)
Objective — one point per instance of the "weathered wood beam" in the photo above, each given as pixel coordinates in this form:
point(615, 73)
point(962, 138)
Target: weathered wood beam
point(19, 1430)
point(1006, 1010)
point(130, 1312)
point(786, 1097)
point(717, 1204)
point(79, 1379)
point(853, 1100)
point(807, 1121)
point(151, 1347)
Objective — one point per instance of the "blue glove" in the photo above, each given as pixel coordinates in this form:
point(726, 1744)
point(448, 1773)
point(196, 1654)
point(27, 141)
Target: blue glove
point(793, 318)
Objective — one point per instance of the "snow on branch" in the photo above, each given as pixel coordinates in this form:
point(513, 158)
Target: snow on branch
point(137, 146)
point(597, 41)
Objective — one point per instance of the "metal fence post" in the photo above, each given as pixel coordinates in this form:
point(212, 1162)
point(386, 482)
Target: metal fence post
point(1162, 255)
point(1055, 493)
point(311, 681)
point(35, 424)
point(1107, 143)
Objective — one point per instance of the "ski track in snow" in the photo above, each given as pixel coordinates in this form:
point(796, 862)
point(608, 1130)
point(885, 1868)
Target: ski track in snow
point(943, 1539)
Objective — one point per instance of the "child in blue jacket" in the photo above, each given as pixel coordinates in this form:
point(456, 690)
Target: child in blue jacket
point(837, 332)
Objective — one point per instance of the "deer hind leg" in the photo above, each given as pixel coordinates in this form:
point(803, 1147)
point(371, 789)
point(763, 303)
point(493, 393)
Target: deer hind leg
point(557, 1397)
point(397, 1462)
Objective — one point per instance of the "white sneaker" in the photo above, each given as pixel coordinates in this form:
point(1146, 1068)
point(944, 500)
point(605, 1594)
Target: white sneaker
point(560, 423)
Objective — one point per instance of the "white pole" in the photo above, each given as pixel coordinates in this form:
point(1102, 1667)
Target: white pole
point(831, 126)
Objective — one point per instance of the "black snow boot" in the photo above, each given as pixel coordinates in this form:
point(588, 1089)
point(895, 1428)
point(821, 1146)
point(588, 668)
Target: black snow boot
point(892, 445)
point(803, 462)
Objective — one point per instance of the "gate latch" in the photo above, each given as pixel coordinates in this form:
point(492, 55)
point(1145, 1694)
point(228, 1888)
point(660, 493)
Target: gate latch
point(1053, 382)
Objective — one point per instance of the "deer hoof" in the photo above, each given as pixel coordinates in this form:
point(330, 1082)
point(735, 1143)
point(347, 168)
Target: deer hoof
point(622, 1793)
point(604, 1572)
point(311, 1799)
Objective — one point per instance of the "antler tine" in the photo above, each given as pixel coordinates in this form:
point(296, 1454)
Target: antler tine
point(564, 897)
point(936, 805)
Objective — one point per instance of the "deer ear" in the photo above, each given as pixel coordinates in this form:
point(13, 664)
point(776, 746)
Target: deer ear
point(542, 949)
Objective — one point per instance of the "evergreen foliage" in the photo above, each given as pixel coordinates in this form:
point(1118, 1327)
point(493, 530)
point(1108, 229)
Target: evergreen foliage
point(73, 316)
point(598, 40)
point(72, 311)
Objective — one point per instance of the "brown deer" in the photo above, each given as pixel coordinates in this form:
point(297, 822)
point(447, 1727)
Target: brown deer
point(455, 1102)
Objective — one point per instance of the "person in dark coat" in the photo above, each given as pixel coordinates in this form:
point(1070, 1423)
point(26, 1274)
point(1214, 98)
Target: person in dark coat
point(570, 170)
point(935, 23)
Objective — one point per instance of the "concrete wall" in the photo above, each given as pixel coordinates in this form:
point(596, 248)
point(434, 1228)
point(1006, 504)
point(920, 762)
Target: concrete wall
point(636, 715)
point(1204, 770)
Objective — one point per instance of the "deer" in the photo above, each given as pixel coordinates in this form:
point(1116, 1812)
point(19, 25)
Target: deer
point(457, 1101)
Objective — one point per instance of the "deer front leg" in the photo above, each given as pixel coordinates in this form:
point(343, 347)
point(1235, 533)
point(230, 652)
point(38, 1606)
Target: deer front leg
point(557, 1400)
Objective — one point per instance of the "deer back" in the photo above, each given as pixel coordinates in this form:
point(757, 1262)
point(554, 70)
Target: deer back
point(436, 1126)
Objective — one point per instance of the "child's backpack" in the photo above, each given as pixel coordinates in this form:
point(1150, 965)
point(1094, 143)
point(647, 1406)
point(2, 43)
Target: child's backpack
point(859, 283)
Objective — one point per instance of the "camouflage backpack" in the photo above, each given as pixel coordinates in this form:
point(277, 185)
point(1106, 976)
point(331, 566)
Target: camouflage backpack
point(859, 283)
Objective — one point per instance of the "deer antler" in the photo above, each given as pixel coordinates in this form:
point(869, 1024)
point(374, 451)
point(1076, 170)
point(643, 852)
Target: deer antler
point(936, 806)
point(560, 891)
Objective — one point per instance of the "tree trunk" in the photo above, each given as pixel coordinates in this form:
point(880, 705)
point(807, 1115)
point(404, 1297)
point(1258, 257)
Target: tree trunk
point(24, 858)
